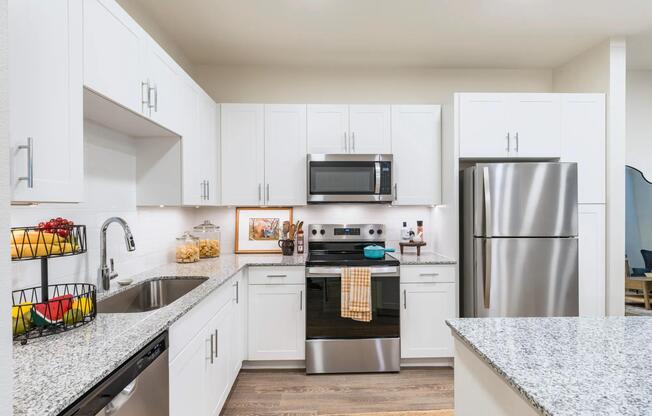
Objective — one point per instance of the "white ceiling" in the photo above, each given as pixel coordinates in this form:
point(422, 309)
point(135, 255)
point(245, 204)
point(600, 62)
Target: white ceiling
point(438, 33)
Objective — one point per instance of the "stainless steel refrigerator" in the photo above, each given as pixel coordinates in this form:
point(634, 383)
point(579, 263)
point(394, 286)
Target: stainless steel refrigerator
point(519, 240)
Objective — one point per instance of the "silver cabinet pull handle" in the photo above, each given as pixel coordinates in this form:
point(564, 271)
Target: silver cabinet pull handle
point(517, 141)
point(301, 300)
point(144, 95)
point(507, 148)
point(428, 274)
point(396, 191)
point(30, 162)
point(156, 98)
point(259, 192)
point(202, 190)
point(217, 351)
point(267, 189)
point(236, 285)
point(212, 346)
point(346, 143)
point(277, 275)
point(151, 90)
point(404, 299)
point(208, 190)
point(353, 142)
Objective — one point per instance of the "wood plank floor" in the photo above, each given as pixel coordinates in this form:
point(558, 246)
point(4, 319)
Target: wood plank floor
point(412, 392)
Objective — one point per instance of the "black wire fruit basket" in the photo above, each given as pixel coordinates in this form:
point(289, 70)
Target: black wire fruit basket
point(49, 309)
point(68, 306)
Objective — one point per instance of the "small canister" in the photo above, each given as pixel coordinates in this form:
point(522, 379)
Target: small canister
point(209, 239)
point(187, 250)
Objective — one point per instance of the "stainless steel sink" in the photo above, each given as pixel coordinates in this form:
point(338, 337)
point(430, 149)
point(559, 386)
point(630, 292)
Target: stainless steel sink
point(150, 295)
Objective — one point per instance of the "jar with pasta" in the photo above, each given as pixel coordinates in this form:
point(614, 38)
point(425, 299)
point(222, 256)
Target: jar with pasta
point(208, 235)
point(187, 250)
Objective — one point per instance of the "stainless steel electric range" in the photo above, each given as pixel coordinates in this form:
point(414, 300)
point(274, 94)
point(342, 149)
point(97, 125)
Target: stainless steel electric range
point(341, 345)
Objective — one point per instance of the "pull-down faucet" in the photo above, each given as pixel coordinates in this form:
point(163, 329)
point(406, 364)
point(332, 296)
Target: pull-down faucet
point(104, 274)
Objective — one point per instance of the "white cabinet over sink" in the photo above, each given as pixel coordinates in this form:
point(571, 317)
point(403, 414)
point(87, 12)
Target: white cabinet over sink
point(338, 129)
point(45, 98)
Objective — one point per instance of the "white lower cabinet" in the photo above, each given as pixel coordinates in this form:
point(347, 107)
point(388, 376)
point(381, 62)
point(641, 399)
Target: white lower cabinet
point(202, 369)
point(427, 300)
point(592, 263)
point(277, 322)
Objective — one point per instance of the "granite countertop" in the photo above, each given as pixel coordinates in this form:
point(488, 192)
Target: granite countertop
point(51, 373)
point(568, 366)
point(425, 258)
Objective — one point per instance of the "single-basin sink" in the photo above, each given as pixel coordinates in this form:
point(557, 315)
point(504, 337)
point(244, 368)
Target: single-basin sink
point(148, 296)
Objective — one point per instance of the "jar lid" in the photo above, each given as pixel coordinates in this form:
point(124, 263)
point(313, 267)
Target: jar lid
point(187, 236)
point(206, 227)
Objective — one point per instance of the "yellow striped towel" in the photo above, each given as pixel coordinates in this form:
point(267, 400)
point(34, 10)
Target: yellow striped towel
point(356, 293)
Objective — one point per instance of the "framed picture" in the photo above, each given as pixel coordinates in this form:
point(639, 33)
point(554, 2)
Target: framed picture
point(258, 229)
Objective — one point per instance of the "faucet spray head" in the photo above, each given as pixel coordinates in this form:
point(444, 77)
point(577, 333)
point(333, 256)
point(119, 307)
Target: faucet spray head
point(129, 240)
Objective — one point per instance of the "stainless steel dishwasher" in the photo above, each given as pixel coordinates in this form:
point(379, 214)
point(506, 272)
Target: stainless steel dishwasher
point(137, 388)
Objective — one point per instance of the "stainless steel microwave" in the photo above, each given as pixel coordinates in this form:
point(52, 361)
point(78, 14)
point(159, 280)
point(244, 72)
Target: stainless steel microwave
point(349, 178)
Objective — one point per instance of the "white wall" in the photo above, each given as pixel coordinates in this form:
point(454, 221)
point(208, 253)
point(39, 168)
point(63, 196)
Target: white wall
point(110, 190)
point(639, 121)
point(6, 375)
point(603, 69)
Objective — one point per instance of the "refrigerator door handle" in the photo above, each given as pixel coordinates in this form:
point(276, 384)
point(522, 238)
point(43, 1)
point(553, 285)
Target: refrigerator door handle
point(487, 273)
point(487, 201)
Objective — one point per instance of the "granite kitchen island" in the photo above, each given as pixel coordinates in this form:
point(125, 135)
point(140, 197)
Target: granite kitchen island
point(553, 366)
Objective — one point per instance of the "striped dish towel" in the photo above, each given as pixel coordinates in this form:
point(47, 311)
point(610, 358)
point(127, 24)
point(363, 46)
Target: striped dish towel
point(356, 293)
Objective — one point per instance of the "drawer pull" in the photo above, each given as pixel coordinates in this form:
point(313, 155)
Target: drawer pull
point(212, 347)
point(429, 274)
point(277, 275)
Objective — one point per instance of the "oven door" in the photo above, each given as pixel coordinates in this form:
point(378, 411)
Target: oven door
point(349, 178)
point(323, 297)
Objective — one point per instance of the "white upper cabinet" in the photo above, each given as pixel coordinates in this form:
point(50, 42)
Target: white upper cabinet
point(163, 81)
point(45, 98)
point(583, 136)
point(416, 145)
point(483, 120)
point(113, 54)
point(242, 154)
point(193, 187)
point(502, 125)
point(339, 129)
point(535, 121)
point(285, 154)
point(328, 129)
point(369, 127)
point(209, 144)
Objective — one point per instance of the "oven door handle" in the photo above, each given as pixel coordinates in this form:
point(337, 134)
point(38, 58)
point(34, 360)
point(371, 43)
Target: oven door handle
point(337, 271)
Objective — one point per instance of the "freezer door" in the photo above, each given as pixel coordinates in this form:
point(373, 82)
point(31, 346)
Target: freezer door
point(516, 277)
point(525, 199)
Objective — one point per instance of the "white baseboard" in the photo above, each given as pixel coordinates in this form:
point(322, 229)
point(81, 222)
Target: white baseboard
point(427, 362)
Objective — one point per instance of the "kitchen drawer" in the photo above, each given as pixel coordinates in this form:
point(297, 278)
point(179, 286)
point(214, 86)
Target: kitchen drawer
point(277, 275)
point(190, 324)
point(427, 274)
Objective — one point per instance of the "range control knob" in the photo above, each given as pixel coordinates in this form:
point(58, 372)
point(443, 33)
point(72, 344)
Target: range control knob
point(379, 231)
point(371, 232)
point(322, 232)
point(314, 232)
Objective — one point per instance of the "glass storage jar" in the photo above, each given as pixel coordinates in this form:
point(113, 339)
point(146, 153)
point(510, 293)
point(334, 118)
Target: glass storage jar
point(209, 239)
point(187, 248)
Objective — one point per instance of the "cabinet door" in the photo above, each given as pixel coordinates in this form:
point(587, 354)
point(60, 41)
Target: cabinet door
point(165, 83)
point(369, 126)
point(45, 98)
point(483, 125)
point(426, 306)
point(191, 146)
point(113, 64)
point(188, 372)
point(277, 328)
point(218, 374)
point(583, 138)
point(416, 145)
point(535, 125)
point(285, 154)
point(328, 129)
point(592, 266)
point(208, 148)
point(242, 152)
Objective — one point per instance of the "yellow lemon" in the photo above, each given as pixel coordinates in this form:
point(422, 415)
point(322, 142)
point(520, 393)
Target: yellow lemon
point(85, 305)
